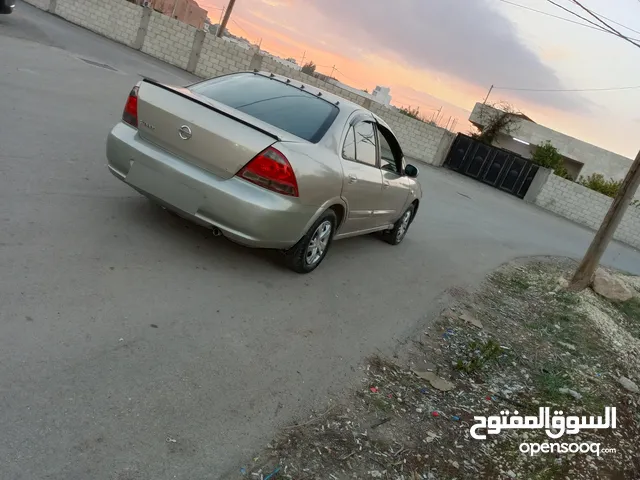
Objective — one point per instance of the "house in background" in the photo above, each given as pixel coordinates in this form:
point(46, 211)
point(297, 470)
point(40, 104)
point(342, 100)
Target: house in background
point(187, 11)
point(580, 158)
point(382, 95)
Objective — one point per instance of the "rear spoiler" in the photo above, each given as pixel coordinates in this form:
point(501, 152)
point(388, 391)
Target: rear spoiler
point(209, 106)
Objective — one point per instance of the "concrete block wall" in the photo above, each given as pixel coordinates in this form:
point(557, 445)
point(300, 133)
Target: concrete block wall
point(219, 57)
point(115, 19)
point(169, 39)
point(587, 207)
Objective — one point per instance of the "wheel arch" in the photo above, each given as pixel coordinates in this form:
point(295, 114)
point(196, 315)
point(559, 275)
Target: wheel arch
point(416, 205)
point(338, 205)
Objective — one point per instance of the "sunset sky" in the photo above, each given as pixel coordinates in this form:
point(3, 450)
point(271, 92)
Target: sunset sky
point(447, 53)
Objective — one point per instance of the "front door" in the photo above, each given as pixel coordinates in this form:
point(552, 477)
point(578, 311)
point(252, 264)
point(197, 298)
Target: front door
point(362, 179)
point(396, 188)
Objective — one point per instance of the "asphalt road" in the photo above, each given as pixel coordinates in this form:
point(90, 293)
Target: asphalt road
point(121, 325)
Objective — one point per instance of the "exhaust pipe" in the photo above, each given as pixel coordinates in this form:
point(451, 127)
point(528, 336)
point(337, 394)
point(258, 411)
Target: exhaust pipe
point(217, 232)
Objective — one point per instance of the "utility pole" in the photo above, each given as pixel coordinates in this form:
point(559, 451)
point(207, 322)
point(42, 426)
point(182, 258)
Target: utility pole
point(175, 6)
point(303, 57)
point(225, 20)
point(487, 97)
point(582, 278)
point(333, 71)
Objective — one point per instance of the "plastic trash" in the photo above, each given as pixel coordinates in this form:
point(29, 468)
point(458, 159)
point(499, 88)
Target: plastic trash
point(272, 474)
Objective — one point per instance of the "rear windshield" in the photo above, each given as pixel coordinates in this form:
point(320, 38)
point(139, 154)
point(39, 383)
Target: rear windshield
point(284, 106)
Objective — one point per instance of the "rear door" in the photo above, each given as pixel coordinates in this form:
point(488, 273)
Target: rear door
point(362, 181)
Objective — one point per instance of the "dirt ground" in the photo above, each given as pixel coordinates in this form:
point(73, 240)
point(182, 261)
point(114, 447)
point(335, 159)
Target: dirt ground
point(520, 342)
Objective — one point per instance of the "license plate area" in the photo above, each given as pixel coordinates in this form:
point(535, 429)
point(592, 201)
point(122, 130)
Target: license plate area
point(164, 187)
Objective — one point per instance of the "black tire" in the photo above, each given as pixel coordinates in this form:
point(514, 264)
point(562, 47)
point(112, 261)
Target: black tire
point(298, 257)
point(396, 235)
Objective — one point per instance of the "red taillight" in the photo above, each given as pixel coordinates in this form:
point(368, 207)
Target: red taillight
point(271, 169)
point(130, 114)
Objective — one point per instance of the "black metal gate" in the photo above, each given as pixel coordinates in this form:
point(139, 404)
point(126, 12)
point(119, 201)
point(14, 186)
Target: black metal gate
point(494, 166)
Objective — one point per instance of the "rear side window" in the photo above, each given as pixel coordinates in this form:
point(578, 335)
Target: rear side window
point(366, 143)
point(284, 106)
point(349, 148)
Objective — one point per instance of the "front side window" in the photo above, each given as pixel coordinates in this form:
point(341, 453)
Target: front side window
point(387, 160)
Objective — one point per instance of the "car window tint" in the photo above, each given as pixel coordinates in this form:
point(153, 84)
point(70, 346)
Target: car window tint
point(387, 161)
point(349, 148)
point(366, 143)
point(274, 102)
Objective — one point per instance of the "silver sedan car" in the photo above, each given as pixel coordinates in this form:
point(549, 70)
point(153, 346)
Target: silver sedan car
point(267, 162)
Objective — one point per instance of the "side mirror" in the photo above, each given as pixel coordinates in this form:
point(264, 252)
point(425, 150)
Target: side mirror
point(411, 171)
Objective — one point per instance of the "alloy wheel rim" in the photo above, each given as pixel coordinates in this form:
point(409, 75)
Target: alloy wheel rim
point(318, 244)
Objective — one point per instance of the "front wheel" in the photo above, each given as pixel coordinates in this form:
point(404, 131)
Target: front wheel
point(399, 230)
point(307, 254)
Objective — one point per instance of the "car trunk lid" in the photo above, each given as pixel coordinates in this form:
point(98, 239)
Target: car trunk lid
point(201, 131)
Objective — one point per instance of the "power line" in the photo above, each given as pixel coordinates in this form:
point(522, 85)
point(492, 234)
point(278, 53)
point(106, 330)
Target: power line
point(525, 7)
point(575, 14)
point(567, 89)
point(551, 15)
point(346, 76)
point(619, 24)
point(240, 27)
point(624, 37)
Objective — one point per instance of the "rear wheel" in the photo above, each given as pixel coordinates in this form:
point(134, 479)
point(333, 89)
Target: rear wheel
point(309, 252)
point(399, 230)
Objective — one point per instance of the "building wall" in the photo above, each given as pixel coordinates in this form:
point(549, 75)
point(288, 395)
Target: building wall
point(207, 56)
point(595, 159)
point(187, 11)
point(291, 65)
point(508, 143)
point(115, 19)
point(382, 95)
point(587, 207)
point(169, 40)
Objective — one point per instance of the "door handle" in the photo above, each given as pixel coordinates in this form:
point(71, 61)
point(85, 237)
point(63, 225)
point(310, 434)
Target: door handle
point(386, 184)
point(353, 178)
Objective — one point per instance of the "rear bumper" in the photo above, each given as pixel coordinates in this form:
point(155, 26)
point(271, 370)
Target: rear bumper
point(244, 212)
